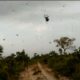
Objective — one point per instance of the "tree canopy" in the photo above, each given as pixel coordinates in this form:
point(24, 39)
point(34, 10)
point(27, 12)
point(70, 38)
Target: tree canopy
point(64, 43)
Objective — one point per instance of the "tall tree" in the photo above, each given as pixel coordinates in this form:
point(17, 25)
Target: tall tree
point(64, 43)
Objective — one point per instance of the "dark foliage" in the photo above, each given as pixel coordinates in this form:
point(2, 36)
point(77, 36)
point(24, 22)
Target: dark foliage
point(11, 66)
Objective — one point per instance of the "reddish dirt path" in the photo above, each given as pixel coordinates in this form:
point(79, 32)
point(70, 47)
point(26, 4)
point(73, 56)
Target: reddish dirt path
point(49, 76)
point(38, 72)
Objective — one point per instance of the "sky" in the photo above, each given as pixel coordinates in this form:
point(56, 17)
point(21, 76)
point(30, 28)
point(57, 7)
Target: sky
point(23, 26)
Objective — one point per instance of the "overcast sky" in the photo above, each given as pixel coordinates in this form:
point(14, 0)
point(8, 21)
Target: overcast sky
point(26, 19)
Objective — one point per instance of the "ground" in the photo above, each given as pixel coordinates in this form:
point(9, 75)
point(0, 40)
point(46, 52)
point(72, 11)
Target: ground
point(39, 72)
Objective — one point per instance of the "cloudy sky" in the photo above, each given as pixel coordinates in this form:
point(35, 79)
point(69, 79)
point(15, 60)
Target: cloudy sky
point(22, 24)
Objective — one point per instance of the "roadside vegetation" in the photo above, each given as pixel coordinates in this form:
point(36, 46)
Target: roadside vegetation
point(62, 63)
point(12, 65)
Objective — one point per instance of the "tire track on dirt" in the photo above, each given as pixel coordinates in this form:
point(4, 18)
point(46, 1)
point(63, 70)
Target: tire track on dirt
point(36, 72)
point(47, 75)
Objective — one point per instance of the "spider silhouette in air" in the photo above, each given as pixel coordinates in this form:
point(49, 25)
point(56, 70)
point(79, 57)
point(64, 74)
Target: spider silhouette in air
point(46, 18)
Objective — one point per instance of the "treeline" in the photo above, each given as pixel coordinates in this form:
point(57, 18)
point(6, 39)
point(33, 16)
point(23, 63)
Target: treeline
point(64, 65)
point(11, 66)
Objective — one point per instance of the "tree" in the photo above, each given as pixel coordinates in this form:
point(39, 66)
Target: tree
point(53, 53)
point(1, 50)
point(64, 43)
point(22, 57)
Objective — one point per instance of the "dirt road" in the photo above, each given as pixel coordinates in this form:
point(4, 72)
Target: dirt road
point(36, 72)
point(45, 73)
point(39, 72)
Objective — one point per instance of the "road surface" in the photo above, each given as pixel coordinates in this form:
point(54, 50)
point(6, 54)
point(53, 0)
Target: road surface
point(38, 72)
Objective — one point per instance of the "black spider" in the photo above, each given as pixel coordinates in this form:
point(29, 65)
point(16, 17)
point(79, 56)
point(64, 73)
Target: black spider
point(46, 18)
